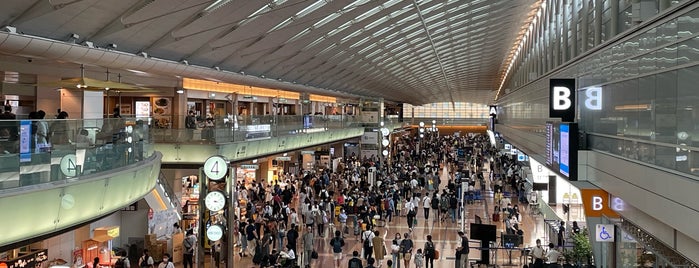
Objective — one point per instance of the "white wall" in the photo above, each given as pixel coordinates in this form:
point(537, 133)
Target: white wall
point(61, 246)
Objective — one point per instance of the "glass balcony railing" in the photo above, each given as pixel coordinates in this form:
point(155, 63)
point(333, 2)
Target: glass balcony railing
point(42, 151)
point(246, 128)
point(682, 156)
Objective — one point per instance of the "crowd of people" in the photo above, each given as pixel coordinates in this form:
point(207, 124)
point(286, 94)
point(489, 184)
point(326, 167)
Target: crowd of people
point(283, 220)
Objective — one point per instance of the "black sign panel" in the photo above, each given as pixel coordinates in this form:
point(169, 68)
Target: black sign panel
point(562, 99)
point(493, 111)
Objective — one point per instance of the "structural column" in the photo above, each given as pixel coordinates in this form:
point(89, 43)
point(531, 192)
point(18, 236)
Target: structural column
point(599, 4)
point(614, 23)
point(565, 15)
point(584, 26)
point(573, 29)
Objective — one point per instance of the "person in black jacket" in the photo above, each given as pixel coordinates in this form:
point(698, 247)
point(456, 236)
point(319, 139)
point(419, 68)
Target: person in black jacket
point(462, 251)
point(291, 237)
point(355, 261)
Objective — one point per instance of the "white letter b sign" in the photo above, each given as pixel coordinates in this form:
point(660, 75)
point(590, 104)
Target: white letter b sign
point(562, 99)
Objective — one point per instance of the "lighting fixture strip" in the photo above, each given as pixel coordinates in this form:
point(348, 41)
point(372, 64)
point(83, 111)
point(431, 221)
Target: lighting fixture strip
point(521, 39)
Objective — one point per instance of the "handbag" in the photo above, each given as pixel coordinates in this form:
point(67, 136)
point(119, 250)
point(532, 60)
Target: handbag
point(436, 254)
point(314, 254)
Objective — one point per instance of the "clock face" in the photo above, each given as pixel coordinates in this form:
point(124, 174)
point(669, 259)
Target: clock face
point(67, 201)
point(214, 232)
point(69, 166)
point(215, 200)
point(216, 167)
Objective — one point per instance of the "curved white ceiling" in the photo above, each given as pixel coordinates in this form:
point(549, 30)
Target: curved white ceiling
point(373, 48)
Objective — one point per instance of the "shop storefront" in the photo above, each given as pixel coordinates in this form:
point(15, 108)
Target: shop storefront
point(246, 174)
point(190, 202)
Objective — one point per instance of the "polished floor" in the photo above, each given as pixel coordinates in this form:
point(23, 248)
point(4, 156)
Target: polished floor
point(444, 234)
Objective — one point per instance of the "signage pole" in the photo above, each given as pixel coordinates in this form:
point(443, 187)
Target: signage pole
point(233, 194)
point(199, 252)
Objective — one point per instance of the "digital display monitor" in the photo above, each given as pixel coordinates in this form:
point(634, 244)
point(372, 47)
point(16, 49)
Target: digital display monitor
point(510, 240)
point(483, 232)
point(307, 121)
point(562, 149)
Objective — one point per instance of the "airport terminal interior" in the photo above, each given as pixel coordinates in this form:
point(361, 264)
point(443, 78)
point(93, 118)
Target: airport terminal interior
point(349, 133)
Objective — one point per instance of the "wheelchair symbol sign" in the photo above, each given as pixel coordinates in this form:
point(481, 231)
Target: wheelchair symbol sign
point(604, 233)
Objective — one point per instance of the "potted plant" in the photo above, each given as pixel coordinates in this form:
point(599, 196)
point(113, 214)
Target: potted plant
point(581, 251)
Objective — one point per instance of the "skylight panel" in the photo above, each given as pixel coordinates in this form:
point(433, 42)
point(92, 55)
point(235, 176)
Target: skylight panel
point(281, 25)
point(360, 42)
point(327, 19)
point(328, 48)
point(313, 7)
point(373, 54)
point(412, 35)
point(477, 10)
point(407, 19)
point(367, 48)
point(215, 5)
point(432, 8)
point(401, 47)
point(382, 31)
point(369, 13)
point(355, 4)
point(376, 22)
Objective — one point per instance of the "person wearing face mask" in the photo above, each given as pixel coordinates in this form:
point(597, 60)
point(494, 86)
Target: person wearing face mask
point(395, 250)
point(537, 254)
point(166, 262)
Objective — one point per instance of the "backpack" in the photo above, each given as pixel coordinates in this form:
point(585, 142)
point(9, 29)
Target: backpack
point(119, 263)
point(435, 203)
point(444, 202)
point(144, 261)
point(367, 241)
point(355, 263)
point(429, 249)
point(337, 245)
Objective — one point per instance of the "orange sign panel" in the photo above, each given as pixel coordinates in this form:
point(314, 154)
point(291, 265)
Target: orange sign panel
point(597, 203)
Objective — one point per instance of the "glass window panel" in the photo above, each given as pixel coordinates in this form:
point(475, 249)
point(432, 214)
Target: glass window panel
point(688, 23)
point(647, 40)
point(624, 22)
point(646, 63)
point(688, 51)
point(666, 57)
point(667, 33)
point(646, 96)
point(665, 107)
point(665, 156)
point(687, 102)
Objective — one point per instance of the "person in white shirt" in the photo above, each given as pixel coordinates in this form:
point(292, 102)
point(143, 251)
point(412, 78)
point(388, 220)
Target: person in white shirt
point(367, 242)
point(166, 263)
point(426, 202)
point(538, 254)
point(552, 254)
point(289, 255)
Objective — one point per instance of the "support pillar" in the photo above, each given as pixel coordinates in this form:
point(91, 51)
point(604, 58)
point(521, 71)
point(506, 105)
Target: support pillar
point(584, 27)
point(598, 22)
